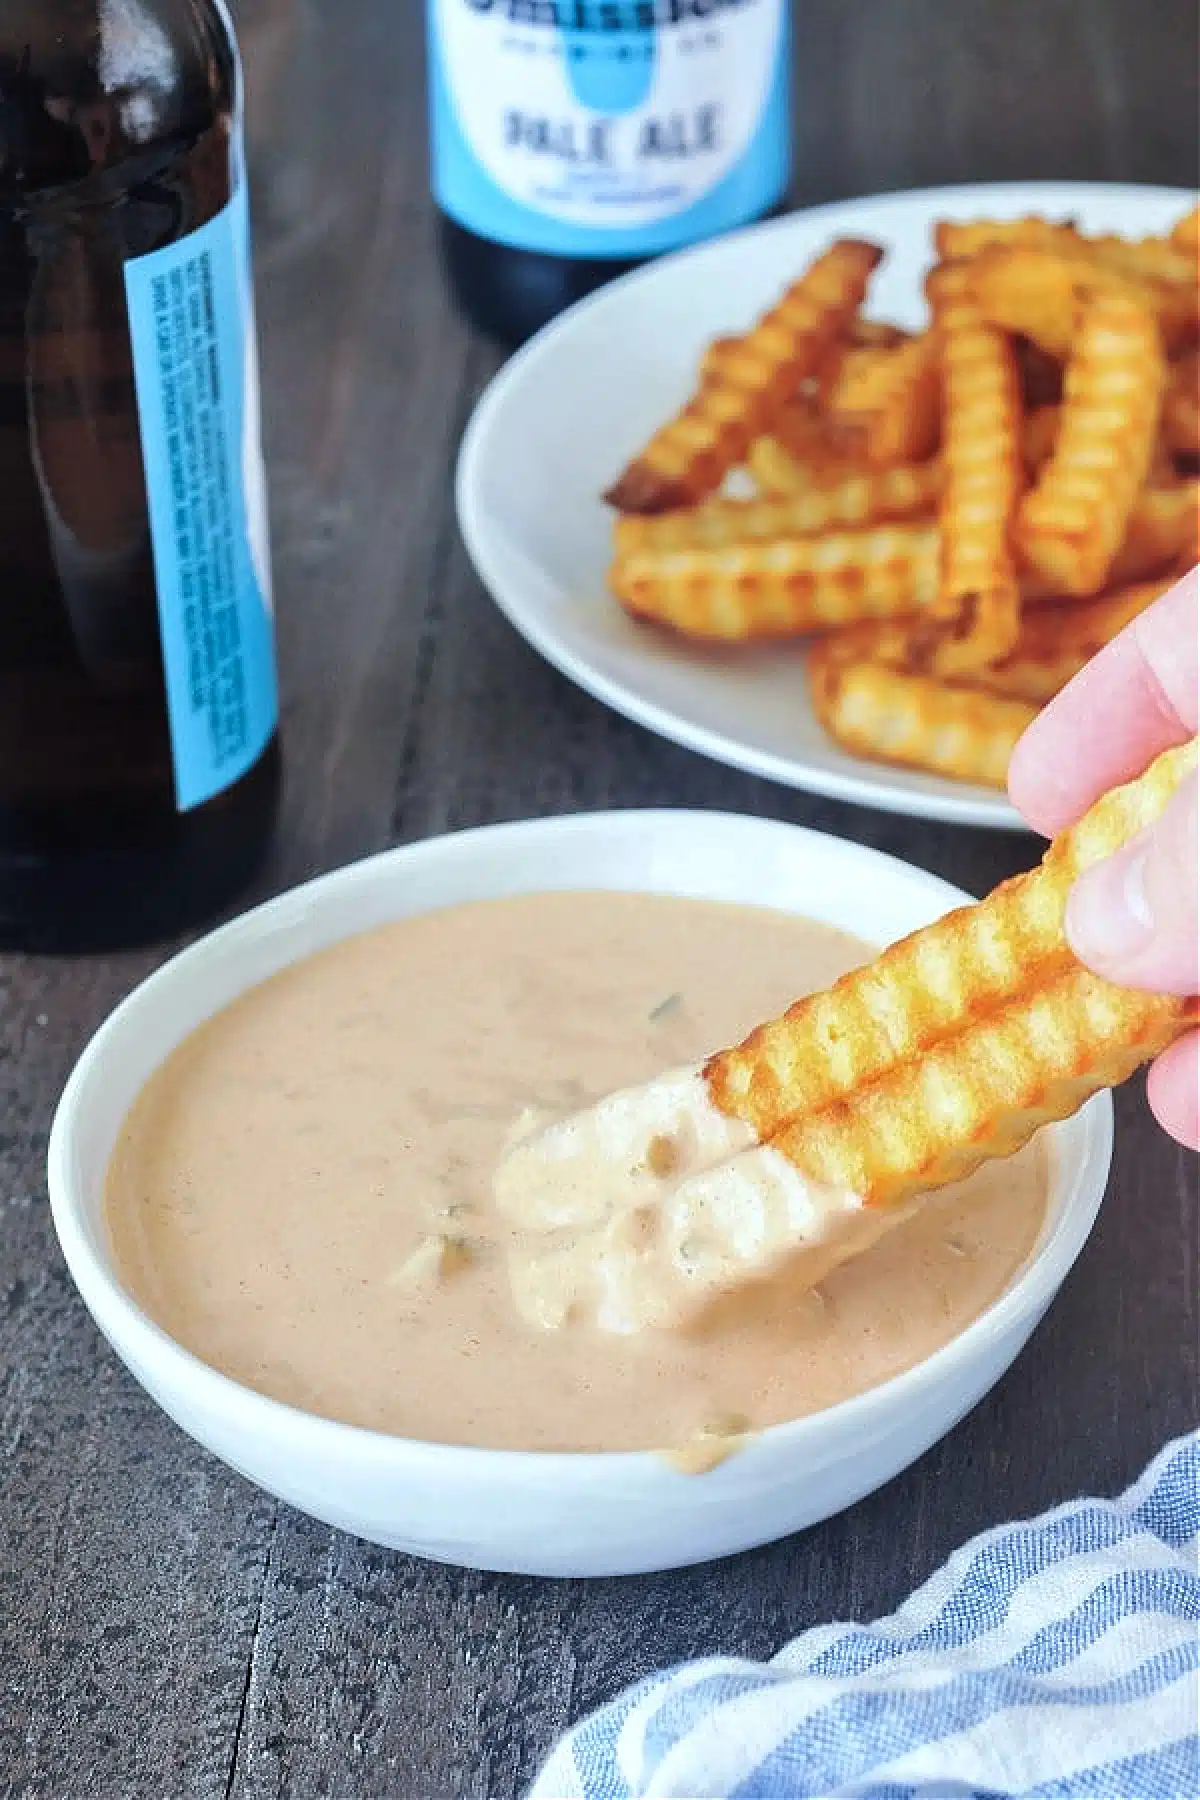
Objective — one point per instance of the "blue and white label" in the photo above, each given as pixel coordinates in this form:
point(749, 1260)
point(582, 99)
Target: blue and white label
point(608, 127)
point(191, 320)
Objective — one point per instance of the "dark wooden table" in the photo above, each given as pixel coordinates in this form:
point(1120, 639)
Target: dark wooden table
point(165, 1629)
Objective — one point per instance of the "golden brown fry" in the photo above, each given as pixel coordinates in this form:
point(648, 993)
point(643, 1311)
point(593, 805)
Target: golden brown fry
point(1033, 277)
point(884, 404)
point(777, 472)
point(890, 716)
point(1181, 405)
point(1043, 293)
point(981, 457)
point(782, 589)
point(688, 458)
point(1071, 523)
point(877, 333)
point(1147, 259)
point(956, 239)
point(1186, 234)
point(958, 1041)
point(864, 497)
point(1036, 292)
point(984, 1092)
point(1163, 532)
point(1057, 641)
point(796, 454)
point(1054, 644)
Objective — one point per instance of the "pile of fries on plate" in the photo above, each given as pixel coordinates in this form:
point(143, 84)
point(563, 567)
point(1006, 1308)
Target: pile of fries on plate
point(957, 518)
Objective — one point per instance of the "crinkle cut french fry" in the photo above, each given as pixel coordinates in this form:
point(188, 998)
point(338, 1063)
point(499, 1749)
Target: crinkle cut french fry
point(889, 716)
point(1034, 277)
point(983, 474)
point(1181, 405)
point(1163, 532)
point(796, 454)
point(877, 333)
point(1149, 259)
point(883, 403)
point(689, 457)
point(984, 1093)
point(800, 429)
point(937, 984)
point(1055, 643)
point(1035, 292)
point(778, 473)
point(1071, 523)
point(956, 239)
point(785, 588)
point(1185, 234)
point(866, 497)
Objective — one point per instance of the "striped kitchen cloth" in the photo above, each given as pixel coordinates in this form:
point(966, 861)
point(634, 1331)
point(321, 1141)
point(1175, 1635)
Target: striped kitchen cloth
point(1056, 1657)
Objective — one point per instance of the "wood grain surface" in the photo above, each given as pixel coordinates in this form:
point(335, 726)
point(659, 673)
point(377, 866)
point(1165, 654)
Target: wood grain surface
point(165, 1629)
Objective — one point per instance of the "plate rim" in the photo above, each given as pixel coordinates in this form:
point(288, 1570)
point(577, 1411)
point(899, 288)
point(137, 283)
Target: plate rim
point(883, 791)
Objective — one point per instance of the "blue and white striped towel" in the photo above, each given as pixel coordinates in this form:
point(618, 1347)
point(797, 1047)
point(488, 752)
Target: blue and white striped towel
point(1056, 1657)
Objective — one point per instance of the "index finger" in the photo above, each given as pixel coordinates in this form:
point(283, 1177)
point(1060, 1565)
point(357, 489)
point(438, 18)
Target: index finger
point(1136, 698)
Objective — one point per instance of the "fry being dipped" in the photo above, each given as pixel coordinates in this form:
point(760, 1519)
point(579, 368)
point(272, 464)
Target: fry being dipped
point(780, 1158)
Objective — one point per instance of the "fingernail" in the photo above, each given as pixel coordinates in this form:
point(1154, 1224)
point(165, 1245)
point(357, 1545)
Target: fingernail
point(1108, 912)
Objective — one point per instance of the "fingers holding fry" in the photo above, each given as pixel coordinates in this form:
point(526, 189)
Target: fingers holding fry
point(936, 985)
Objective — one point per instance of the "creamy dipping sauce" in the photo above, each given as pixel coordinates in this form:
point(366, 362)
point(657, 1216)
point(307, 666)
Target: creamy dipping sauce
point(302, 1194)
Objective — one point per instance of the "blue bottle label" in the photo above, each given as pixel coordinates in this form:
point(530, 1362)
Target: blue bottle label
point(608, 127)
point(191, 320)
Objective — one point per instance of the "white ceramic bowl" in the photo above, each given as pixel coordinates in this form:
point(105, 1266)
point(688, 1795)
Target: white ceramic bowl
point(524, 1511)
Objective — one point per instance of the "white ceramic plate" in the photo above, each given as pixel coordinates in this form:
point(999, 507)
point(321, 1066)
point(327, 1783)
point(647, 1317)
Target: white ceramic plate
point(563, 416)
point(524, 1511)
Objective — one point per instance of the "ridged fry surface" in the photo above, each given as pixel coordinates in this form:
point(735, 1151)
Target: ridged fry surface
point(891, 716)
point(689, 457)
point(784, 588)
point(1072, 522)
point(938, 985)
point(882, 403)
point(983, 476)
point(982, 1094)
point(864, 497)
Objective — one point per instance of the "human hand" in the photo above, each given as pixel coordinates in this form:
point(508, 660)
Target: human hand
point(1134, 917)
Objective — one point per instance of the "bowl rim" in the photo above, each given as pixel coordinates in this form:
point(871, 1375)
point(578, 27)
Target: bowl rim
point(1078, 1189)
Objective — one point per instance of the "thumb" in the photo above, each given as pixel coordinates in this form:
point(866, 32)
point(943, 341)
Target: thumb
point(1134, 917)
